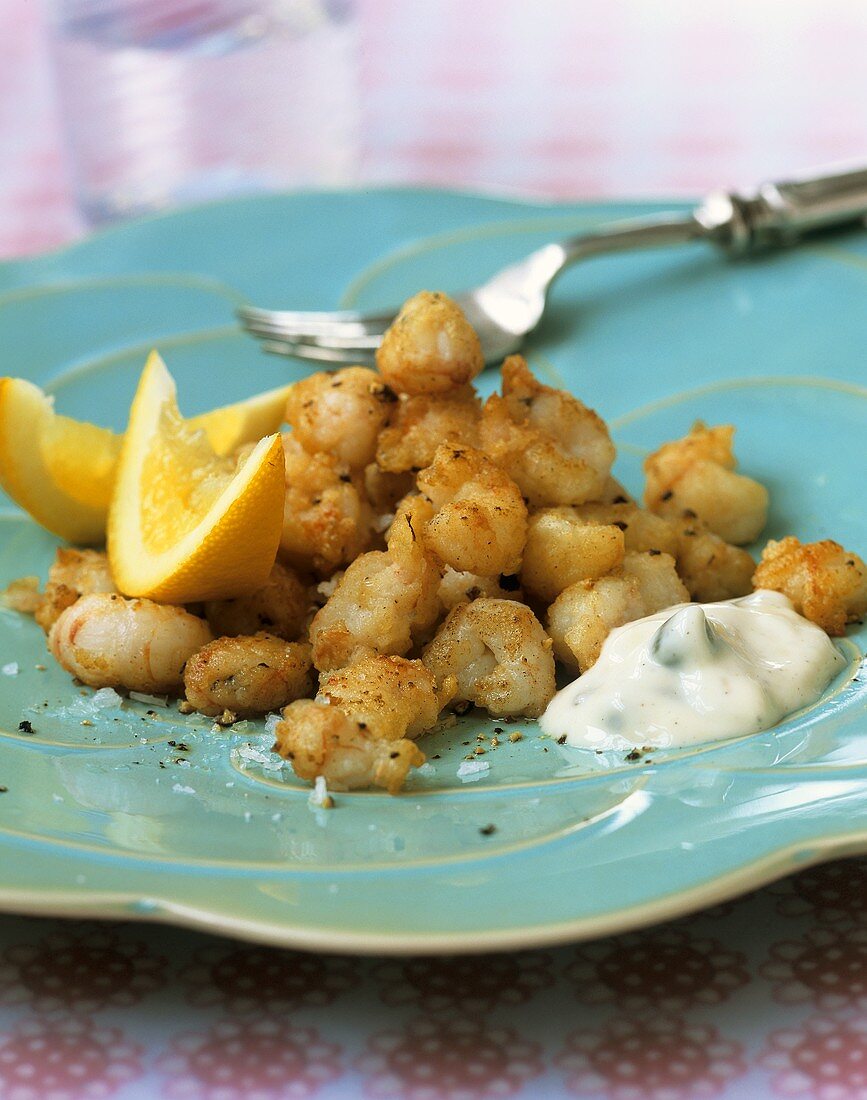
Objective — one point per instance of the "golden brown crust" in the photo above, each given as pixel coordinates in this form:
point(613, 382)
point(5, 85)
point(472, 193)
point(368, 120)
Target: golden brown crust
point(421, 424)
point(697, 473)
point(499, 656)
point(281, 607)
point(711, 568)
point(826, 583)
point(430, 348)
point(321, 740)
point(383, 603)
point(326, 517)
point(392, 696)
point(22, 595)
point(340, 413)
point(583, 615)
point(248, 676)
point(556, 449)
point(73, 573)
point(480, 519)
point(563, 548)
point(359, 730)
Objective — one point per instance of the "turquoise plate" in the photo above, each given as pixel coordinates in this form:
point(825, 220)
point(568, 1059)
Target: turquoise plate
point(105, 817)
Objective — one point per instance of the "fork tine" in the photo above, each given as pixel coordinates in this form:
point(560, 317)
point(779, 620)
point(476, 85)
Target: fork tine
point(266, 322)
point(343, 331)
point(321, 353)
point(368, 342)
point(291, 315)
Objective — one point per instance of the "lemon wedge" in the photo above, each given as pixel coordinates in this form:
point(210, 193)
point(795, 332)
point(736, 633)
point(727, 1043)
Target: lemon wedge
point(247, 421)
point(62, 470)
point(59, 470)
point(185, 524)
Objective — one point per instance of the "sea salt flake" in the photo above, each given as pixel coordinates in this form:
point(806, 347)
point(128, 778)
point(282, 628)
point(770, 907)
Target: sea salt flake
point(259, 754)
point(152, 700)
point(179, 788)
point(470, 771)
point(426, 769)
point(106, 697)
point(251, 754)
point(319, 795)
point(11, 669)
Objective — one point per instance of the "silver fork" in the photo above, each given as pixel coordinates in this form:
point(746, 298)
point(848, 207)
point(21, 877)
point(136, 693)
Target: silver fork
point(509, 305)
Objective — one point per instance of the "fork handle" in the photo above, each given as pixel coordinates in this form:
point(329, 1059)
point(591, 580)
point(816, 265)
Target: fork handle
point(771, 216)
point(776, 214)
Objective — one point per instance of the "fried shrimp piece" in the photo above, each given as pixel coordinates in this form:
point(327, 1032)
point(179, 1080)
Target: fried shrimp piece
point(614, 493)
point(697, 472)
point(359, 730)
point(553, 446)
point(22, 595)
point(461, 587)
point(420, 424)
point(248, 675)
point(384, 602)
point(385, 490)
point(391, 697)
point(480, 520)
point(582, 616)
point(73, 573)
point(107, 641)
point(642, 530)
point(340, 412)
point(499, 655)
point(711, 568)
point(323, 741)
point(563, 548)
point(430, 347)
point(326, 517)
point(826, 584)
point(280, 607)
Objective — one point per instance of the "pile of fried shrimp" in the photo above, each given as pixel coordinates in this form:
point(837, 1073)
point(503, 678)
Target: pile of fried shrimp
point(438, 552)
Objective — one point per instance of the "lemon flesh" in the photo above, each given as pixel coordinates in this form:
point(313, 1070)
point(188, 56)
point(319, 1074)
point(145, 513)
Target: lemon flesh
point(58, 470)
point(184, 523)
point(62, 471)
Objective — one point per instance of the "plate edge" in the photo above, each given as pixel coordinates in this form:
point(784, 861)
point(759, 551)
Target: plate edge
point(770, 868)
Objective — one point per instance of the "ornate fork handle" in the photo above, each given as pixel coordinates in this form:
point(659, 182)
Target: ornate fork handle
point(774, 215)
point(511, 303)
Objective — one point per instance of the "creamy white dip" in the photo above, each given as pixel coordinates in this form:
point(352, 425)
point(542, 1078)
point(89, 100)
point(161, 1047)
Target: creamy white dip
point(696, 672)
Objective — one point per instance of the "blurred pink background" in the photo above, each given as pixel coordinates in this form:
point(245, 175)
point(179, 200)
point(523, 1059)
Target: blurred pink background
point(562, 98)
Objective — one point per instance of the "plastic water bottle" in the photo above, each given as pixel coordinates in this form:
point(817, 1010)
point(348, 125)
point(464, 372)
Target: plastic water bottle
point(176, 101)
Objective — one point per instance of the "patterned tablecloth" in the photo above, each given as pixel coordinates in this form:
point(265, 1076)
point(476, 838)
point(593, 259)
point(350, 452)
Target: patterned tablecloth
point(763, 997)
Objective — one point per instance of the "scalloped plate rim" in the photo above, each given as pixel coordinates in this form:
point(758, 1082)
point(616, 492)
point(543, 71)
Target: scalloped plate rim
point(767, 869)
